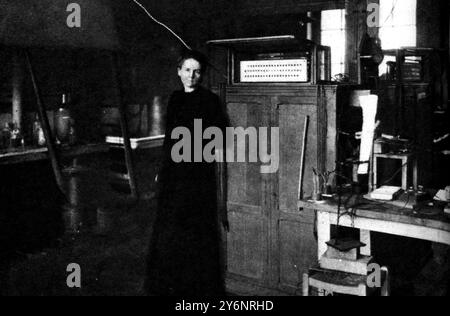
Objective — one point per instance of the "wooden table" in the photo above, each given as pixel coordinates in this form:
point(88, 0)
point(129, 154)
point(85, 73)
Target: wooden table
point(379, 217)
point(29, 154)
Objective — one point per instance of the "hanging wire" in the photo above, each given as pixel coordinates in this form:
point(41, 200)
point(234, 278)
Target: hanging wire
point(173, 33)
point(391, 14)
point(162, 24)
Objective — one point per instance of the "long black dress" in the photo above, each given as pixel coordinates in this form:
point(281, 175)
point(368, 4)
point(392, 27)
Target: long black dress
point(184, 248)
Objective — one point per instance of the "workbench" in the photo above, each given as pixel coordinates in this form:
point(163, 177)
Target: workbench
point(29, 154)
point(383, 217)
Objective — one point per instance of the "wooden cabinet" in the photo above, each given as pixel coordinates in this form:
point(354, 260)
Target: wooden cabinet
point(248, 206)
point(271, 242)
point(293, 230)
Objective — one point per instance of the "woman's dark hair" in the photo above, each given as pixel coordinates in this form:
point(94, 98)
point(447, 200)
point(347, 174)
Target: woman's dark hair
point(193, 54)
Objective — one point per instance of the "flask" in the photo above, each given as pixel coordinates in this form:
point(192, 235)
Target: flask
point(16, 136)
point(38, 133)
point(63, 120)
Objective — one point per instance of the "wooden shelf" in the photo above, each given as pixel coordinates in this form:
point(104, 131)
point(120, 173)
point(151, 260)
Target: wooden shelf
point(29, 154)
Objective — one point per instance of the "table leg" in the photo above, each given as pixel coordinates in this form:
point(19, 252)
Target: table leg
point(415, 174)
point(364, 236)
point(405, 170)
point(323, 232)
point(74, 186)
point(73, 212)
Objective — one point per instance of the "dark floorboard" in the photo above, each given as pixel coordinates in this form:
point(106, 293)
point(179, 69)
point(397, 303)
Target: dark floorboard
point(112, 259)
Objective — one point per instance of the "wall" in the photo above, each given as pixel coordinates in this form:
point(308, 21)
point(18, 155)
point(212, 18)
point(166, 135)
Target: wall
point(149, 52)
point(431, 23)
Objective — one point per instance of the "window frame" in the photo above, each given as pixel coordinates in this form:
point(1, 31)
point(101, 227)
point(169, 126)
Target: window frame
point(391, 24)
point(341, 31)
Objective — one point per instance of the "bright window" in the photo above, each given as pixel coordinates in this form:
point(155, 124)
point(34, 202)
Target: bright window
point(398, 26)
point(398, 23)
point(333, 35)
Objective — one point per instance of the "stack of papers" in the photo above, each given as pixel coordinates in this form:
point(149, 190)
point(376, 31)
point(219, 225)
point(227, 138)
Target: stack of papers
point(135, 142)
point(441, 196)
point(386, 193)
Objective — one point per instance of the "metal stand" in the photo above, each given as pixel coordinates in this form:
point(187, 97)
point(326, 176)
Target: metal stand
point(46, 126)
point(50, 140)
point(124, 127)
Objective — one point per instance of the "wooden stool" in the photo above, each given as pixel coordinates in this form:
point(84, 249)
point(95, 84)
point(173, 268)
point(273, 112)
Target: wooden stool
point(333, 282)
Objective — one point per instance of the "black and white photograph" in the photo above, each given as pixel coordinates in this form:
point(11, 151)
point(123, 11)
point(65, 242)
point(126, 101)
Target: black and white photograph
point(219, 155)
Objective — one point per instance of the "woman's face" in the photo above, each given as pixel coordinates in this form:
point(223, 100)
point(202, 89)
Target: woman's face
point(190, 74)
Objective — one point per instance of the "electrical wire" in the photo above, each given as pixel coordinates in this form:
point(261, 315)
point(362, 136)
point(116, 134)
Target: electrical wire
point(407, 202)
point(390, 14)
point(173, 33)
point(162, 24)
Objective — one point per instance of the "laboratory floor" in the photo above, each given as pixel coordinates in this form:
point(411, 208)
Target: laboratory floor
point(110, 247)
point(111, 254)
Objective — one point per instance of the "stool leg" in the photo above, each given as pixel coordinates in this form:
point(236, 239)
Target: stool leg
point(415, 174)
point(375, 173)
point(305, 284)
point(364, 236)
point(386, 287)
point(362, 289)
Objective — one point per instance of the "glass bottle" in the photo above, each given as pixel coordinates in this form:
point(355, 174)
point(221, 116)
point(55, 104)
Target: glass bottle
point(16, 136)
point(38, 133)
point(5, 141)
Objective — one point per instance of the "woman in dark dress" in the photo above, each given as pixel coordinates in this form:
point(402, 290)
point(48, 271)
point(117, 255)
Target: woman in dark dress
point(184, 254)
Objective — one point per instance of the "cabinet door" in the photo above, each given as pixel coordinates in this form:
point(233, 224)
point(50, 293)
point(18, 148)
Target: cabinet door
point(297, 249)
point(295, 229)
point(247, 189)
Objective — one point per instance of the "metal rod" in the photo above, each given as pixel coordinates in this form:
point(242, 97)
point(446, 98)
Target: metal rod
point(124, 127)
point(302, 159)
point(42, 113)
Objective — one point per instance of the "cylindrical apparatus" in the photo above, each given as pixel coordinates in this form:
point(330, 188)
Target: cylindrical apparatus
point(309, 27)
point(17, 89)
point(369, 105)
